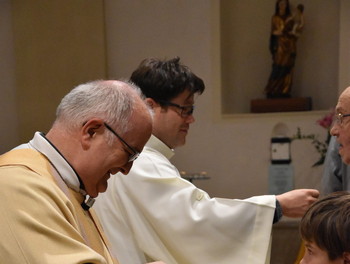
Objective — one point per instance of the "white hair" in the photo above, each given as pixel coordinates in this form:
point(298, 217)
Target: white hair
point(112, 101)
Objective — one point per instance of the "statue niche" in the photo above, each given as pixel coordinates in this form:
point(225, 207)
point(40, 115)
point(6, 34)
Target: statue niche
point(286, 28)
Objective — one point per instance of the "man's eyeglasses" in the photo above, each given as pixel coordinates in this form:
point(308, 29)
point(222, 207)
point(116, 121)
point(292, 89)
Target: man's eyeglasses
point(186, 110)
point(134, 153)
point(339, 118)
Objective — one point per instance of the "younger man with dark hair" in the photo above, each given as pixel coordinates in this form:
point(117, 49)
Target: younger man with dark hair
point(164, 217)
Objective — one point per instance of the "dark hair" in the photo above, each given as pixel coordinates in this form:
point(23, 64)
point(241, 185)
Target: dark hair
point(327, 224)
point(163, 80)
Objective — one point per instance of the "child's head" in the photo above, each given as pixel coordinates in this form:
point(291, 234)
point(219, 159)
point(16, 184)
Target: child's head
point(300, 8)
point(325, 229)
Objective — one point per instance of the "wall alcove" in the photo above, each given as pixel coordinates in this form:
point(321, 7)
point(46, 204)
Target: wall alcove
point(246, 61)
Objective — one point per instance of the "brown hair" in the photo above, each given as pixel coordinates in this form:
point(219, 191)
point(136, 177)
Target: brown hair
point(327, 224)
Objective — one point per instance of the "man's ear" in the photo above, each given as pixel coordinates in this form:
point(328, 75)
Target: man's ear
point(151, 103)
point(346, 257)
point(90, 129)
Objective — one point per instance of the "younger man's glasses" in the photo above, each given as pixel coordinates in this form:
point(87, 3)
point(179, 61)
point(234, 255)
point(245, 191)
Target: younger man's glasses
point(186, 110)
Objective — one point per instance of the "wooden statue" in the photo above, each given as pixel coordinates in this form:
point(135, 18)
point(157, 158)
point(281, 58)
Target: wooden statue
point(285, 30)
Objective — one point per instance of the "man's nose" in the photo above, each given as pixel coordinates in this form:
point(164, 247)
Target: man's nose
point(126, 168)
point(190, 119)
point(334, 129)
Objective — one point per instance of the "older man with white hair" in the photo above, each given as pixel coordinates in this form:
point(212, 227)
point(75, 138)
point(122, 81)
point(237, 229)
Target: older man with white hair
point(341, 126)
point(48, 185)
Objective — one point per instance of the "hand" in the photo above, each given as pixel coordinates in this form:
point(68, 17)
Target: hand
point(296, 202)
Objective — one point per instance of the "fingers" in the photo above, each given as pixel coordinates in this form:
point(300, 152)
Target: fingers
point(311, 197)
point(296, 202)
point(314, 193)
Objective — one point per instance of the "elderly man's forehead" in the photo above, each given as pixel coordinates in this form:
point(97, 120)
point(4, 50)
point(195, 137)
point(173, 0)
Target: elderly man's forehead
point(346, 92)
point(345, 95)
point(344, 101)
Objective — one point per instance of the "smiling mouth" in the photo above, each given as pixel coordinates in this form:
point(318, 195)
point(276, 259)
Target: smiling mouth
point(184, 129)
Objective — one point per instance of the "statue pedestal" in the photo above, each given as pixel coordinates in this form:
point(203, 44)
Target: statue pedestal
point(280, 105)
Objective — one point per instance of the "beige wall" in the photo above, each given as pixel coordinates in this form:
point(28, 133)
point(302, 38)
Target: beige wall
point(344, 44)
point(58, 45)
point(8, 114)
